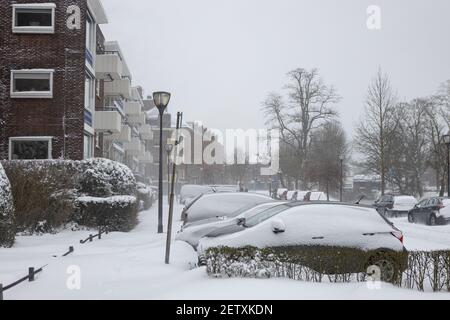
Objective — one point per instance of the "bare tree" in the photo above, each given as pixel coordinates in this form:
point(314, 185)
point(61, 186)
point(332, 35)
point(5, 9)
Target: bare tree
point(328, 146)
point(309, 106)
point(375, 134)
point(408, 157)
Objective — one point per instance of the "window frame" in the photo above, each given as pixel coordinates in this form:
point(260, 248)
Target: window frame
point(32, 94)
point(90, 146)
point(48, 139)
point(92, 92)
point(34, 29)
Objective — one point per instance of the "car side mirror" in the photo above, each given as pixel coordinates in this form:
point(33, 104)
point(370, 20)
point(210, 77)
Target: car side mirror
point(241, 222)
point(278, 226)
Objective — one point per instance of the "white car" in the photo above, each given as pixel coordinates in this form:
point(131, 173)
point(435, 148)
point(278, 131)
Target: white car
point(322, 227)
point(193, 232)
point(214, 205)
point(189, 192)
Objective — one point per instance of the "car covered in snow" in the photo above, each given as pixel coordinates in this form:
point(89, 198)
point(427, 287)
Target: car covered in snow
point(431, 211)
point(191, 191)
point(395, 206)
point(194, 231)
point(213, 205)
point(366, 236)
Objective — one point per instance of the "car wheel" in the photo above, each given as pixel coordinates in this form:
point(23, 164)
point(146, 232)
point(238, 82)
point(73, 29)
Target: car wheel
point(388, 267)
point(202, 261)
point(432, 221)
point(410, 218)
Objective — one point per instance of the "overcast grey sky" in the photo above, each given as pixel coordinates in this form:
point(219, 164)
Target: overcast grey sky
point(220, 58)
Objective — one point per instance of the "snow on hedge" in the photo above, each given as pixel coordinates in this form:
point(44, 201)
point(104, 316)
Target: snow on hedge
point(7, 231)
point(110, 200)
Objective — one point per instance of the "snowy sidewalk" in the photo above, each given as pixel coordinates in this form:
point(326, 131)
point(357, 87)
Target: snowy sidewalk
point(131, 266)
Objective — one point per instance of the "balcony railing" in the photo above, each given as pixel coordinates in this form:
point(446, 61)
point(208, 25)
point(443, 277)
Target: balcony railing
point(108, 66)
point(120, 87)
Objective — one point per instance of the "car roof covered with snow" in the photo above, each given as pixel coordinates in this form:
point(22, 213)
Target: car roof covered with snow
point(222, 204)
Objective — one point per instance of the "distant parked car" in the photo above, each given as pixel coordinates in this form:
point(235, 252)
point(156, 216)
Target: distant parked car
point(214, 205)
point(190, 191)
point(367, 237)
point(431, 211)
point(225, 188)
point(395, 206)
point(193, 232)
point(282, 194)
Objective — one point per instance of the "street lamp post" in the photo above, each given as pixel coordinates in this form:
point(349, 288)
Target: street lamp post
point(169, 148)
point(161, 100)
point(341, 186)
point(446, 141)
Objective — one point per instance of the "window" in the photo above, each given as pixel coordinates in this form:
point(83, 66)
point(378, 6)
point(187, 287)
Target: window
point(32, 84)
point(89, 92)
point(90, 35)
point(34, 18)
point(30, 148)
point(88, 146)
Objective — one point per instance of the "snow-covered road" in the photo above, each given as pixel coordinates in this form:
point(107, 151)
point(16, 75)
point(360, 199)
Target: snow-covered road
point(131, 266)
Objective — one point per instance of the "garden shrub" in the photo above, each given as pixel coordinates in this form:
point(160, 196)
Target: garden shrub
point(118, 213)
point(426, 271)
point(45, 192)
point(7, 228)
point(145, 196)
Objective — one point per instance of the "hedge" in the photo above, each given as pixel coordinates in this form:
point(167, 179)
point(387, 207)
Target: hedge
point(425, 270)
point(7, 228)
point(118, 213)
point(45, 192)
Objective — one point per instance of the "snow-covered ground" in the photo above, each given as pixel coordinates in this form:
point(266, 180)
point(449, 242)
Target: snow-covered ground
point(131, 266)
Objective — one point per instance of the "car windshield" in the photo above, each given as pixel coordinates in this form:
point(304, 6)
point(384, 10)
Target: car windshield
point(266, 214)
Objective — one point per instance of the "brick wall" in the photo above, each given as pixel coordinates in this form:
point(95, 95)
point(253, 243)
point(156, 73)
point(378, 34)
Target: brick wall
point(63, 51)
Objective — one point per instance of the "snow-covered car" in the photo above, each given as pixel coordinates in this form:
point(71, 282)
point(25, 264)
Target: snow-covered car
point(395, 206)
point(323, 227)
point(225, 188)
point(282, 193)
point(431, 211)
point(194, 231)
point(190, 191)
point(214, 205)
point(291, 195)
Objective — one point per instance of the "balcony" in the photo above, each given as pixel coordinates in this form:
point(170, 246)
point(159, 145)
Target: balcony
point(139, 119)
point(123, 136)
point(108, 121)
point(134, 147)
point(146, 132)
point(120, 87)
point(132, 108)
point(108, 66)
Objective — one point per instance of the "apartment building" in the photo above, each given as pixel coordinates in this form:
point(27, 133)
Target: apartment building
point(66, 92)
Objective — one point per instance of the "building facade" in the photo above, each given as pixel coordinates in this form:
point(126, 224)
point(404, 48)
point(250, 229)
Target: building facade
point(66, 92)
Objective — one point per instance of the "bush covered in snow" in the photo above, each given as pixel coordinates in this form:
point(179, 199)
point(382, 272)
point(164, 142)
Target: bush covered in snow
point(426, 270)
point(118, 213)
point(104, 178)
point(145, 195)
point(311, 263)
point(7, 228)
point(45, 192)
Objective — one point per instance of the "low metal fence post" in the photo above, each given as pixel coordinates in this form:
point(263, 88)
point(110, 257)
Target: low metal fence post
point(30, 274)
point(90, 238)
point(1, 291)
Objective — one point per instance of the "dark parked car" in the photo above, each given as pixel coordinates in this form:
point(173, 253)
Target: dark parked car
point(395, 206)
point(431, 211)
